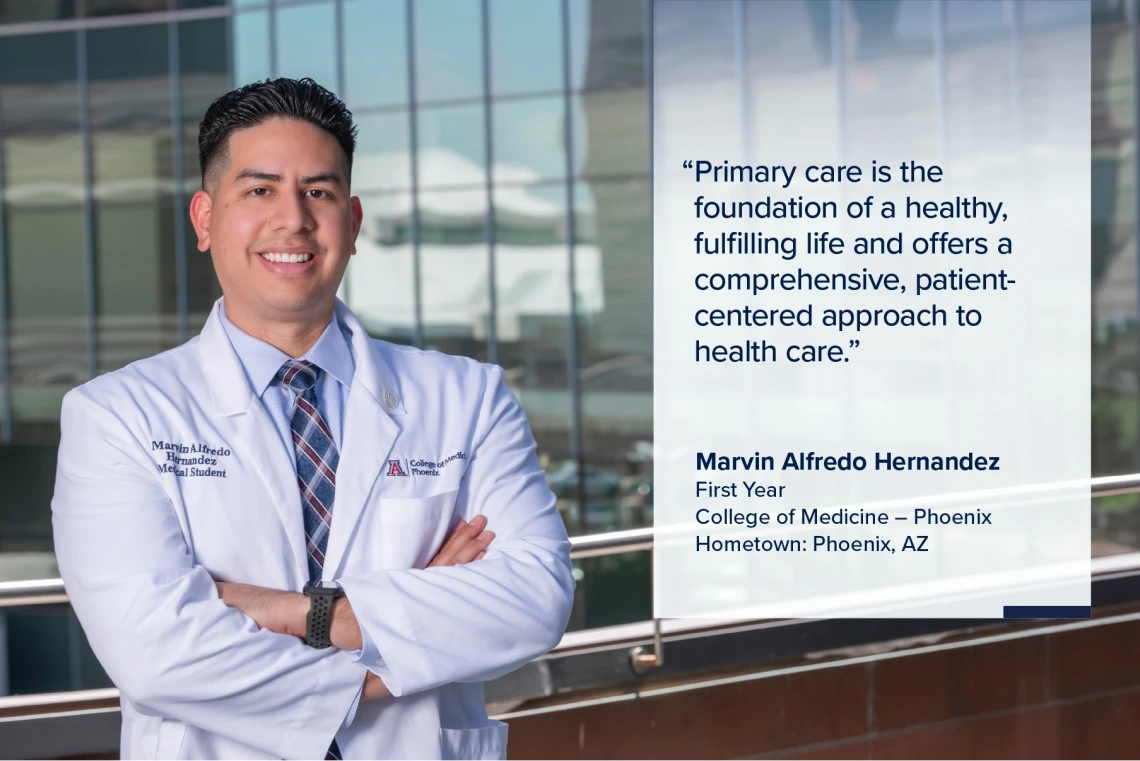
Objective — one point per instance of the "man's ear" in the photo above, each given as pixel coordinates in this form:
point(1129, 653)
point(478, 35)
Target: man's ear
point(200, 207)
point(357, 219)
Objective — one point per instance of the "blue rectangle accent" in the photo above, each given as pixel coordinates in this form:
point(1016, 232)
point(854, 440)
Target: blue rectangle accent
point(1047, 611)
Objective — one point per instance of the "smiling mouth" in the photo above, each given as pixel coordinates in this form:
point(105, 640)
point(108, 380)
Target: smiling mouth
point(279, 258)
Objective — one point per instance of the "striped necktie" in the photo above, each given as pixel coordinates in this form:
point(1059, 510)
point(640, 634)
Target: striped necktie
point(316, 457)
point(315, 453)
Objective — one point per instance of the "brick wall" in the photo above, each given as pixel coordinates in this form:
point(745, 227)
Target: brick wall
point(1073, 694)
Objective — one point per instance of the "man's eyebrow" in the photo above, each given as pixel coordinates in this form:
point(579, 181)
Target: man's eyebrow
point(257, 174)
point(332, 177)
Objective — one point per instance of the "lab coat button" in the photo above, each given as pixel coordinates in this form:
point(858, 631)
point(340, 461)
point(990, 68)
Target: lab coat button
point(391, 399)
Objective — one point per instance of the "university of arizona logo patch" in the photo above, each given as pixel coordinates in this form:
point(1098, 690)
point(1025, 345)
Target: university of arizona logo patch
point(394, 468)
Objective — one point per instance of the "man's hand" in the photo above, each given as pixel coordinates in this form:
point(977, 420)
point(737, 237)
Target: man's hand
point(466, 542)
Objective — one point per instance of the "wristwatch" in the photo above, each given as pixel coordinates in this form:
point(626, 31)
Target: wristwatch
point(319, 620)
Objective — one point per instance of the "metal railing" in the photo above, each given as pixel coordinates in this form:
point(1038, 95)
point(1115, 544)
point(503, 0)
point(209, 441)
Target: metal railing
point(45, 591)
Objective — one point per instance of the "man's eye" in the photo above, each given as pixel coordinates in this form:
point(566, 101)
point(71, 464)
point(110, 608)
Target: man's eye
point(317, 193)
point(259, 191)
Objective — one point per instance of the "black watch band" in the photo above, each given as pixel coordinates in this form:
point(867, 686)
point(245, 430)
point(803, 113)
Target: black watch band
point(319, 620)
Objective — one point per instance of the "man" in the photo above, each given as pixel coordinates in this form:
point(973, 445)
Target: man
point(227, 510)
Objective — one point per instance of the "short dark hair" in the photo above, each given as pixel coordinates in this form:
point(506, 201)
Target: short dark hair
point(252, 104)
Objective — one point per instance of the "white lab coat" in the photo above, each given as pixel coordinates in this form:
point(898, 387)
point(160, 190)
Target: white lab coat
point(144, 522)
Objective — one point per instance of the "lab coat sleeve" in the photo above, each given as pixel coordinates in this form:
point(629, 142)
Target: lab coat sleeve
point(478, 621)
point(154, 617)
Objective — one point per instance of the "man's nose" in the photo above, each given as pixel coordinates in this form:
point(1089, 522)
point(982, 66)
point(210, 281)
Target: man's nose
point(292, 213)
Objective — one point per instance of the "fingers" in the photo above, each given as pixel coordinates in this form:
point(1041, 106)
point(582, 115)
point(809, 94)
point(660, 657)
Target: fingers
point(472, 549)
point(463, 543)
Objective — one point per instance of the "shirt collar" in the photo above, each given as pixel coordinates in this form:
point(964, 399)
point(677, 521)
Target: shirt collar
point(261, 361)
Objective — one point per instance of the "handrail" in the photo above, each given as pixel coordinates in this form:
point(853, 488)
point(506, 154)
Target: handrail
point(43, 591)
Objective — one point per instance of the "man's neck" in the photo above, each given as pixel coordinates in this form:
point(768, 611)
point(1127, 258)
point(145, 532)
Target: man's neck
point(293, 337)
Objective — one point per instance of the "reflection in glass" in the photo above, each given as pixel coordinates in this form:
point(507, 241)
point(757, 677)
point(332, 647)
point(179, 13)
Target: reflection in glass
point(382, 158)
point(48, 651)
point(136, 282)
point(455, 282)
point(23, 11)
point(611, 37)
point(612, 590)
point(116, 7)
point(130, 112)
point(452, 149)
point(27, 472)
point(44, 230)
point(890, 80)
point(203, 57)
point(48, 307)
point(613, 125)
point(449, 49)
point(306, 43)
point(613, 290)
point(251, 47)
point(379, 283)
point(134, 171)
point(529, 139)
point(39, 120)
point(532, 322)
point(375, 54)
point(526, 46)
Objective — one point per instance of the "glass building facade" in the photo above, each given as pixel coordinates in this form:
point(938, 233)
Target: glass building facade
point(503, 165)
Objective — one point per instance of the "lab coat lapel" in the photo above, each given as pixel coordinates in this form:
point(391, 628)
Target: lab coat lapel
point(369, 434)
point(257, 441)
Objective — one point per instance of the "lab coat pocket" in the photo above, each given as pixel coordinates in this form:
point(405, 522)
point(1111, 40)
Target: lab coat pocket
point(412, 528)
point(480, 742)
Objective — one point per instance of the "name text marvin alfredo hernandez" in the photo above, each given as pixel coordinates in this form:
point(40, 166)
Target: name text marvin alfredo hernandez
point(919, 517)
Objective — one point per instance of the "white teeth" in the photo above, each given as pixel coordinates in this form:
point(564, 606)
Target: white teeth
point(286, 258)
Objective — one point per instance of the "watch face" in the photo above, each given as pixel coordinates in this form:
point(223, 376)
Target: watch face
point(324, 587)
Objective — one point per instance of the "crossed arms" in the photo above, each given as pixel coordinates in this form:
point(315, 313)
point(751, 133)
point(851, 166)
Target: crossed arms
point(179, 650)
point(285, 612)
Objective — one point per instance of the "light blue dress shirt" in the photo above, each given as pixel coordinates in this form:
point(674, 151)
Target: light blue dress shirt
point(332, 353)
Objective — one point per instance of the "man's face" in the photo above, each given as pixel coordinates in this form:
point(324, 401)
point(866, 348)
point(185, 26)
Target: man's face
point(279, 221)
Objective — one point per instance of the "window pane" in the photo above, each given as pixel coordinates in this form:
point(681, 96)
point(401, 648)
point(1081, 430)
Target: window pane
point(454, 267)
point(44, 227)
point(381, 161)
point(130, 112)
point(612, 36)
point(22, 11)
point(890, 79)
point(115, 7)
point(48, 298)
point(39, 120)
point(133, 160)
point(47, 650)
point(1112, 87)
point(378, 285)
point(529, 139)
point(251, 47)
point(306, 43)
point(613, 125)
point(136, 282)
point(376, 53)
point(614, 291)
point(451, 145)
point(526, 46)
point(203, 56)
point(532, 291)
point(449, 49)
point(27, 472)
